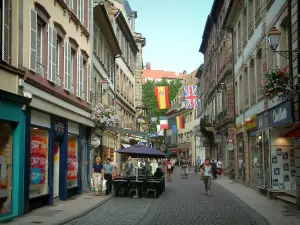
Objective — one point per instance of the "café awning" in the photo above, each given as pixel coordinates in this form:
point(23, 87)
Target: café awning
point(294, 132)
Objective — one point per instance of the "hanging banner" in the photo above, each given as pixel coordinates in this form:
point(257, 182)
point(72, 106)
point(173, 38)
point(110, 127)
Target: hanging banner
point(162, 96)
point(160, 132)
point(164, 122)
point(190, 96)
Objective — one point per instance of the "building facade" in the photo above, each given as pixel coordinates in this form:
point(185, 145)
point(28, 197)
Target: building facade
point(55, 53)
point(217, 124)
point(265, 158)
point(105, 51)
point(13, 115)
point(180, 142)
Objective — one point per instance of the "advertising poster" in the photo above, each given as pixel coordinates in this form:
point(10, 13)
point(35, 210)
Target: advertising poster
point(72, 160)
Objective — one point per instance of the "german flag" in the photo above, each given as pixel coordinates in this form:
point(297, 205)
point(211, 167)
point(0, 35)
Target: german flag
point(180, 122)
point(162, 96)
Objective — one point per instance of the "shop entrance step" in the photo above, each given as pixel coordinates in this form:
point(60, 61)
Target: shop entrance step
point(286, 198)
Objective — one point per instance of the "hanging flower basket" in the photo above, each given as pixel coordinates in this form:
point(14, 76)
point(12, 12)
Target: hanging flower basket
point(104, 116)
point(277, 84)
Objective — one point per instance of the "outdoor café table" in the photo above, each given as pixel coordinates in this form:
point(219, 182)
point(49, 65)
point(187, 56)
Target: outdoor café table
point(121, 185)
point(153, 184)
point(138, 186)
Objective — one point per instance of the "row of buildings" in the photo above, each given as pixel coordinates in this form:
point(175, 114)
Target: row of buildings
point(236, 123)
point(59, 59)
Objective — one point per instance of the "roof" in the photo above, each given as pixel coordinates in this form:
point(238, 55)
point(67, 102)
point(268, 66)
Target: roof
point(210, 21)
point(229, 15)
point(160, 74)
point(121, 20)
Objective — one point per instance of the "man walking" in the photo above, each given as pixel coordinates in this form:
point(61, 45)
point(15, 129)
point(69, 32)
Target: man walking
point(198, 163)
point(98, 174)
point(168, 166)
point(108, 175)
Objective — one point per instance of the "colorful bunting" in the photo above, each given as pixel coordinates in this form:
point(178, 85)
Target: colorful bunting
point(162, 96)
point(190, 96)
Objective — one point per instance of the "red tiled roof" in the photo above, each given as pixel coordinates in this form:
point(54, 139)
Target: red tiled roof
point(159, 74)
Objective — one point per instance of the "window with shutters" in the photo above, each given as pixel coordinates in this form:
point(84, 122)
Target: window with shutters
point(69, 3)
point(80, 10)
point(90, 19)
point(80, 77)
point(5, 30)
point(52, 52)
point(89, 84)
point(68, 67)
point(36, 59)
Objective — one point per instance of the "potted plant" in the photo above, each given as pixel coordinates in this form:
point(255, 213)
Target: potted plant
point(104, 116)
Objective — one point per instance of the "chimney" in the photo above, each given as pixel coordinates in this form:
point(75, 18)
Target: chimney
point(148, 66)
point(184, 72)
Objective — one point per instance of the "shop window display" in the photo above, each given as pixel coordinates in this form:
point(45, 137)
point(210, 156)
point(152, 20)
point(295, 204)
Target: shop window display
point(38, 162)
point(254, 159)
point(72, 160)
point(5, 167)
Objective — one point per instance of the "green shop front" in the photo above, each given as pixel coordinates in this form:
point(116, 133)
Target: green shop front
point(12, 151)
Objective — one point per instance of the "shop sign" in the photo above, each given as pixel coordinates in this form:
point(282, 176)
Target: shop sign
point(239, 127)
point(95, 142)
point(250, 122)
point(260, 121)
point(280, 114)
point(59, 128)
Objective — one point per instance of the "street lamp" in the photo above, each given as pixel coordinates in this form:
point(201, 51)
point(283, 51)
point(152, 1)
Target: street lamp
point(274, 40)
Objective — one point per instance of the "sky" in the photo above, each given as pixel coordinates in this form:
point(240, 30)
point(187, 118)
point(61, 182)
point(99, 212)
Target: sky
point(173, 30)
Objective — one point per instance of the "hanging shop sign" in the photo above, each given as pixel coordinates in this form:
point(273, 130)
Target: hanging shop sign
point(280, 114)
point(260, 122)
point(59, 128)
point(95, 142)
point(250, 123)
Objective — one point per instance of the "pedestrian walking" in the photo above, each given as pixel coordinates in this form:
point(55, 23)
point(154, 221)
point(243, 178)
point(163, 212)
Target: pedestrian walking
point(98, 175)
point(128, 167)
point(214, 169)
point(168, 166)
point(108, 169)
point(206, 173)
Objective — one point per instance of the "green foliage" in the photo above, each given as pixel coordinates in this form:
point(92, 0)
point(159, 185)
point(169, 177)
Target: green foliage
point(149, 96)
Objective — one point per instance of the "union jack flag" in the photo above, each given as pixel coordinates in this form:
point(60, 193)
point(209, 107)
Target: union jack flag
point(190, 96)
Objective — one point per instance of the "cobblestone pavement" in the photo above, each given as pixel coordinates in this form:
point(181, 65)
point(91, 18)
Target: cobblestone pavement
point(183, 202)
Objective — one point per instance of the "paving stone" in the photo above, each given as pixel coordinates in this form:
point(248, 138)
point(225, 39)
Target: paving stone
point(183, 202)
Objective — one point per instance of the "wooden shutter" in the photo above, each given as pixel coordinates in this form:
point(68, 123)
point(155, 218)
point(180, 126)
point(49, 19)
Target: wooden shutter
point(6, 31)
point(82, 11)
point(50, 42)
point(70, 71)
point(89, 81)
point(78, 76)
point(66, 65)
point(90, 16)
point(54, 53)
point(33, 40)
point(82, 75)
point(78, 9)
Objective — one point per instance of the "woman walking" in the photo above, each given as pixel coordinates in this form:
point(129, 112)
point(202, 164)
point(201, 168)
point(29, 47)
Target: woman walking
point(207, 173)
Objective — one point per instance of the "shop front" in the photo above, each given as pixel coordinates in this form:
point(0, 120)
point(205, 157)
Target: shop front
point(251, 128)
point(282, 157)
point(58, 160)
point(239, 132)
point(12, 147)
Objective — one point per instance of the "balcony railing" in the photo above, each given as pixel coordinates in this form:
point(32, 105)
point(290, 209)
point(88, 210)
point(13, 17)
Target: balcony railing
point(257, 17)
point(245, 40)
point(40, 69)
point(240, 50)
point(222, 116)
point(253, 98)
point(207, 121)
point(250, 30)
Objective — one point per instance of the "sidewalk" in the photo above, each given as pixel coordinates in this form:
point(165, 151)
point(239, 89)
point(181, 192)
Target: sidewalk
point(62, 211)
point(275, 211)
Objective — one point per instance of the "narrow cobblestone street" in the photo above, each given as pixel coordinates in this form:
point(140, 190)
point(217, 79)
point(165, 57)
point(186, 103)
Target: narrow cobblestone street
point(183, 202)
